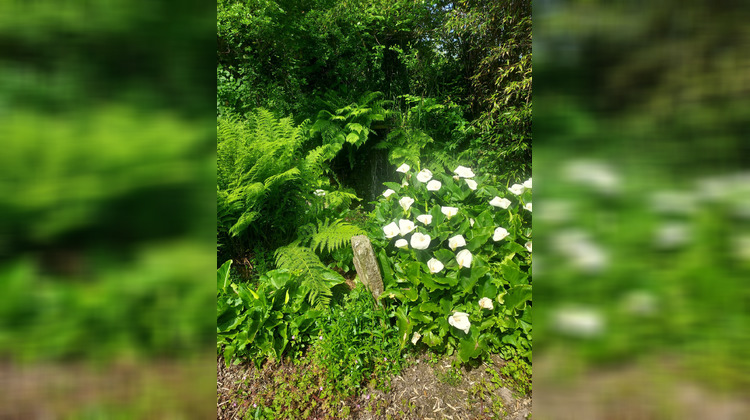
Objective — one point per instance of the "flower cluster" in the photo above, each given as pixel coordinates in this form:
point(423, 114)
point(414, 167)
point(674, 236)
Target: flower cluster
point(453, 237)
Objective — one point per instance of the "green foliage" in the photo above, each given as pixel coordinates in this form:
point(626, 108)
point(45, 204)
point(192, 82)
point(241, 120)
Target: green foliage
point(273, 320)
point(72, 174)
point(499, 270)
point(498, 57)
point(123, 312)
point(259, 174)
point(318, 278)
point(329, 236)
point(357, 342)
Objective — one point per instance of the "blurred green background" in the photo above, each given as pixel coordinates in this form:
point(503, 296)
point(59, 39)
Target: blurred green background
point(641, 163)
point(107, 207)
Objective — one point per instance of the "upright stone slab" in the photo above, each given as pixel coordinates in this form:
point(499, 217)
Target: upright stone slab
point(367, 265)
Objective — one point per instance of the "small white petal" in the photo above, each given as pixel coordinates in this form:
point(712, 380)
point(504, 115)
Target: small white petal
point(471, 183)
point(402, 243)
point(389, 192)
point(405, 226)
point(420, 241)
point(464, 172)
point(435, 265)
point(456, 241)
point(424, 175)
point(500, 234)
point(460, 320)
point(391, 230)
point(449, 211)
point(500, 202)
point(406, 202)
point(464, 258)
point(426, 219)
point(486, 303)
point(434, 185)
point(403, 168)
point(516, 189)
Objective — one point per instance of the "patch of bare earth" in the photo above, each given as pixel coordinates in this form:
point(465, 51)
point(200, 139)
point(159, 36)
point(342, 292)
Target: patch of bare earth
point(424, 390)
point(651, 390)
point(159, 390)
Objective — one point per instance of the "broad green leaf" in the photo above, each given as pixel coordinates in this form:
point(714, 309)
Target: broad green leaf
point(404, 325)
point(222, 276)
point(432, 339)
point(517, 296)
point(470, 347)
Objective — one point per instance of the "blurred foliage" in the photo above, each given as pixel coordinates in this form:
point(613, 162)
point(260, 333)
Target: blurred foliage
point(106, 179)
point(641, 148)
point(134, 308)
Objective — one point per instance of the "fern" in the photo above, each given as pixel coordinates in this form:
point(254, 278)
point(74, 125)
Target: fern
point(317, 279)
point(328, 236)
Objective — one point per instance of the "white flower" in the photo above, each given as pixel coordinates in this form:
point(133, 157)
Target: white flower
point(464, 258)
point(527, 184)
point(464, 172)
point(456, 242)
point(460, 320)
point(500, 202)
point(420, 241)
point(580, 322)
point(486, 303)
point(434, 185)
point(415, 337)
point(595, 174)
point(405, 226)
point(406, 202)
point(471, 221)
point(424, 175)
point(389, 192)
point(405, 184)
point(582, 252)
point(500, 234)
point(527, 206)
point(516, 189)
point(471, 183)
point(673, 235)
point(528, 245)
point(435, 265)
point(426, 219)
point(402, 243)
point(391, 230)
point(449, 211)
point(319, 193)
point(403, 168)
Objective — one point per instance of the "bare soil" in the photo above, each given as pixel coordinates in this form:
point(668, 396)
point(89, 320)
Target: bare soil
point(424, 390)
point(152, 390)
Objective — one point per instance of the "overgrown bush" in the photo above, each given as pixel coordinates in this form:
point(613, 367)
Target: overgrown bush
point(456, 258)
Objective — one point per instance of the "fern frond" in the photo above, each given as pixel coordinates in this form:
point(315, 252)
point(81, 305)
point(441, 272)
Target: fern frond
point(330, 236)
point(298, 258)
point(305, 262)
point(242, 224)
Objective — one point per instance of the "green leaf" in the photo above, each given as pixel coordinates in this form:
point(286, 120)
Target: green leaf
point(480, 238)
point(432, 339)
point(517, 296)
point(404, 325)
point(385, 267)
point(222, 276)
point(511, 272)
point(470, 347)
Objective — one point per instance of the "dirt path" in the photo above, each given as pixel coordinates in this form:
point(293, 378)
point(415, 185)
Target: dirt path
point(424, 390)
